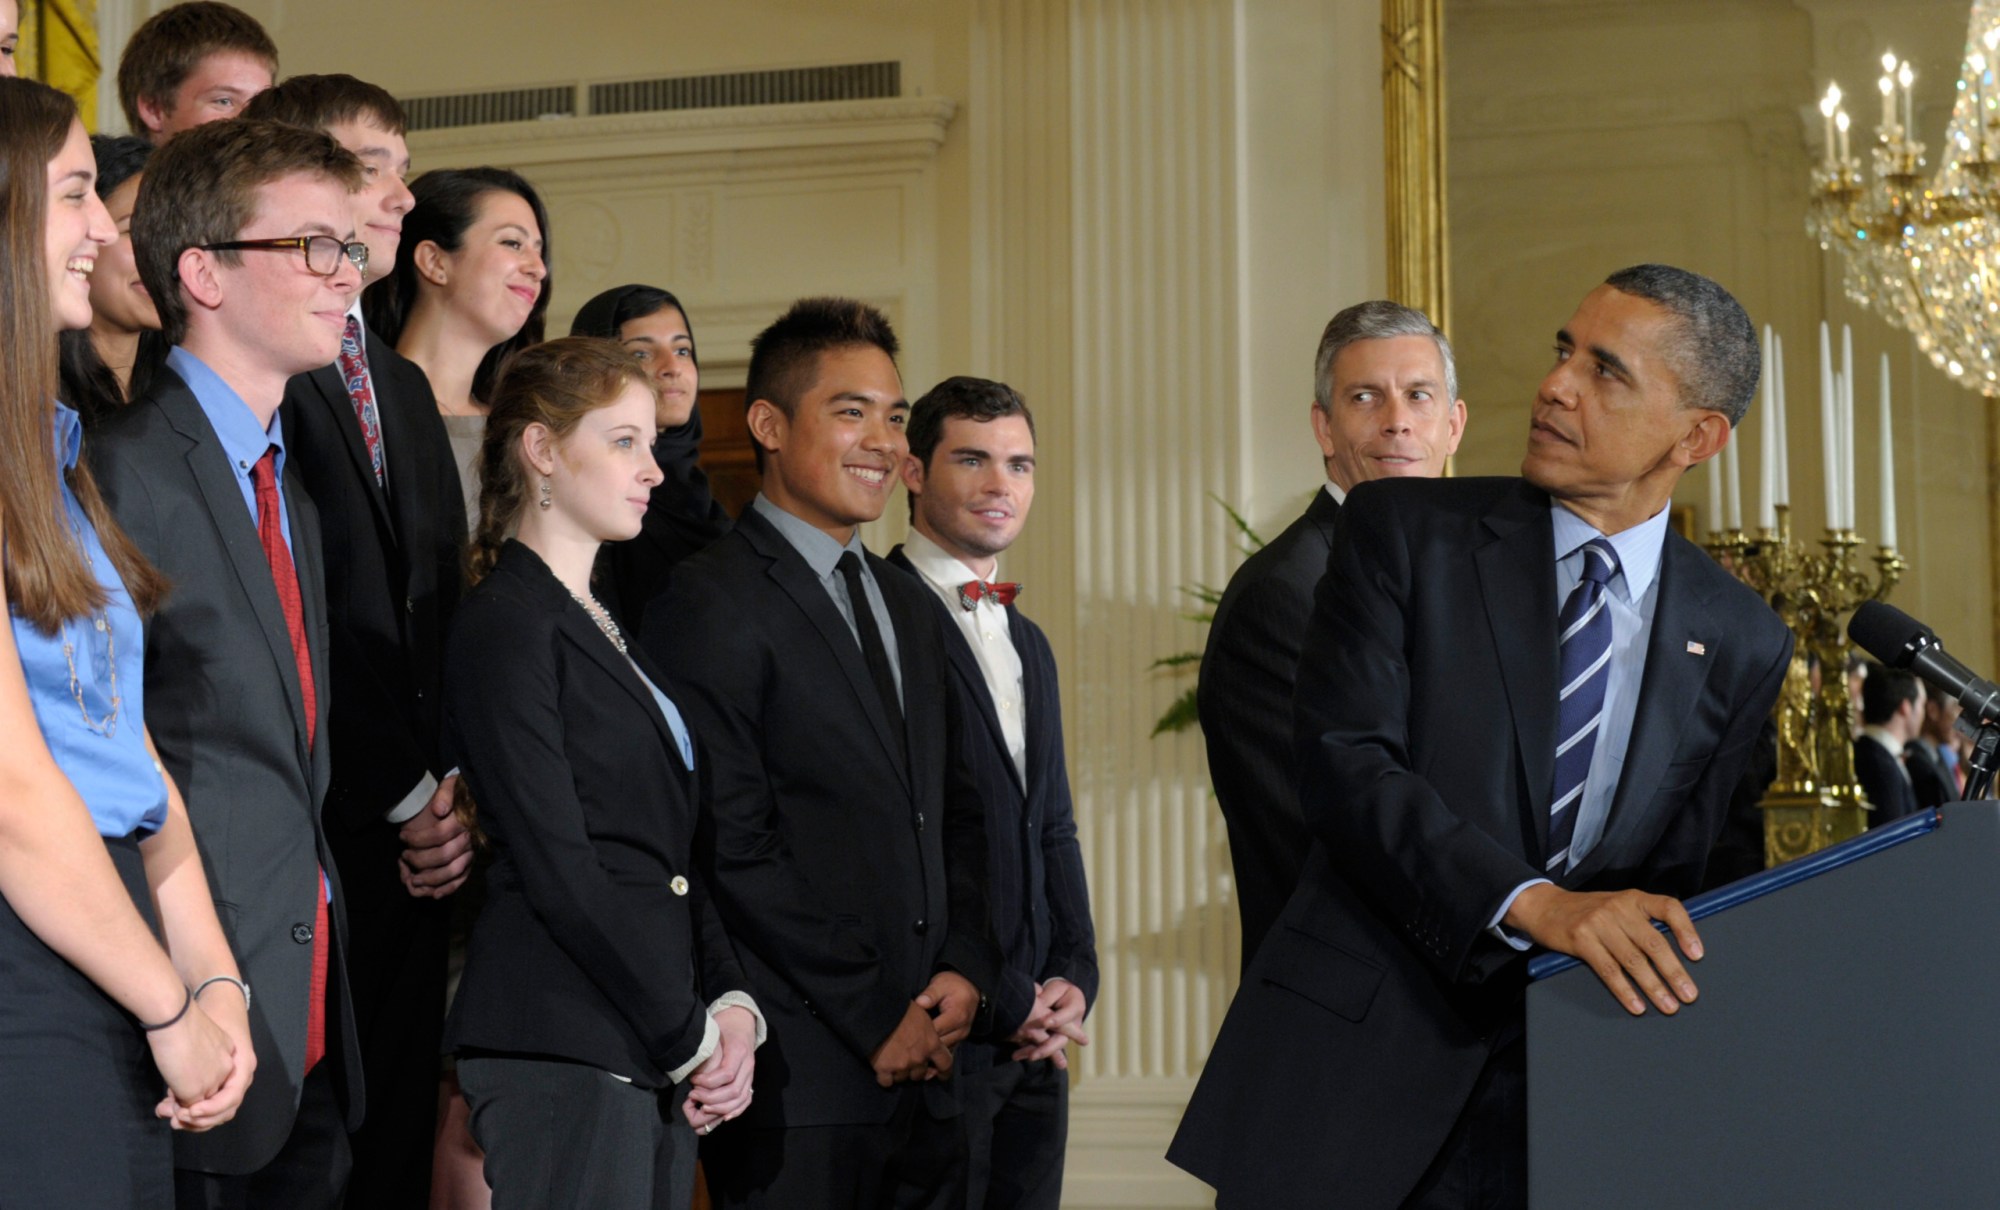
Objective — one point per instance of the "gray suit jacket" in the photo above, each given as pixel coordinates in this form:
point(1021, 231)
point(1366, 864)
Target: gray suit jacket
point(224, 705)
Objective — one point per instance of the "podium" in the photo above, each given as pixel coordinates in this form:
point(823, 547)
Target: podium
point(1844, 1051)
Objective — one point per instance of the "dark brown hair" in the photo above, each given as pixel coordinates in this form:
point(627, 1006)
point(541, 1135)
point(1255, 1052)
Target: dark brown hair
point(448, 201)
point(165, 50)
point(317, 102)
point(201, 188)
point(554, 384)
point(49, 579)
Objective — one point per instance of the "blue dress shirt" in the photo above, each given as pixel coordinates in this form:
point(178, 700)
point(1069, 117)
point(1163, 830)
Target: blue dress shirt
point(235, 425)
point(675, 723)
point(1634, 593)
point(822, 554)
point(99, 743)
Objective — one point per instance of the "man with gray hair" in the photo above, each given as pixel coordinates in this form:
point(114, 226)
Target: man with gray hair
point(1385, 402)
point(1522, 708)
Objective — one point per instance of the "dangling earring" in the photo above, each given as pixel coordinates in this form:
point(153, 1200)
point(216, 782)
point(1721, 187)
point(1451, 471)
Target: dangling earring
point(545, 501)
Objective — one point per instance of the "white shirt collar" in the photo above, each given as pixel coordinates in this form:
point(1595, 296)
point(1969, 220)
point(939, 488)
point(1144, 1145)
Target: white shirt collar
point(1338, 492)
point(938, 565)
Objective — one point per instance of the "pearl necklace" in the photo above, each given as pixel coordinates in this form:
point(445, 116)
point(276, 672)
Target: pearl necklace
point(599, 615)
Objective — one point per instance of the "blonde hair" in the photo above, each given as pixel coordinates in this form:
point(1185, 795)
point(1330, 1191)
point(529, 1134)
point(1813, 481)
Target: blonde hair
point(554, 384)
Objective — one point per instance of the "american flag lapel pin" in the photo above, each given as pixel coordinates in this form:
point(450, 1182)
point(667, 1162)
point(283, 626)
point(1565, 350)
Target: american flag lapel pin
point(1695, 648)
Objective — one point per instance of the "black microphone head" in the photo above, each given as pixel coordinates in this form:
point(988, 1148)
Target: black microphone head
point(1889, 634)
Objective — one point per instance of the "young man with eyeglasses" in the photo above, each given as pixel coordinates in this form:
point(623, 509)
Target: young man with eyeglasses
point(244, 234)
point(364, 435)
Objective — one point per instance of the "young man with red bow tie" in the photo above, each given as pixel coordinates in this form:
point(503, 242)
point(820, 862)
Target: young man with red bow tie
point(971, 478)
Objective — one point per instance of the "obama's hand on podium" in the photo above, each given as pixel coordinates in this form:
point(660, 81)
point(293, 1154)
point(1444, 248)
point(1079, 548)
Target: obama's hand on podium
point(1612, 933)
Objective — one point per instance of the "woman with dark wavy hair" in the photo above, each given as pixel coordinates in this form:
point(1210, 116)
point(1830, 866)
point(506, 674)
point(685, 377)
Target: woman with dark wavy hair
point(471, 287)
point(116, 984)
point(112, 362)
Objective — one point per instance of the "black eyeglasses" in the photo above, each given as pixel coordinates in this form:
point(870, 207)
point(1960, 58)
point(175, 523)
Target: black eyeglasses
point(323, 253)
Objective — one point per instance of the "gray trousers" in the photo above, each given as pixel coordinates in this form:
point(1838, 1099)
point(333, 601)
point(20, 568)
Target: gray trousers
point(561, 1135)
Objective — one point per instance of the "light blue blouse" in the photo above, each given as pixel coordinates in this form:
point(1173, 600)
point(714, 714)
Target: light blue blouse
point(90, 700)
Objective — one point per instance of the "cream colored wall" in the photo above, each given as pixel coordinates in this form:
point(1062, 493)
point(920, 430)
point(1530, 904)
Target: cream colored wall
point(1139, 212)
point(1586, 136)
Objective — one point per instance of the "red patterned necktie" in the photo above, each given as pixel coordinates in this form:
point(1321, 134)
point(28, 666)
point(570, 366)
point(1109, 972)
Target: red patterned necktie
point(970, 592)
point(284, 576)
point(354, 373)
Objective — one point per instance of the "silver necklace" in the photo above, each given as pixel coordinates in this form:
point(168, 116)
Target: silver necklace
point(601, 617)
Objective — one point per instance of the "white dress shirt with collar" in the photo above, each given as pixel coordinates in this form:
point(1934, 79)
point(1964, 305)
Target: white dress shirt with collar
point(985, 628)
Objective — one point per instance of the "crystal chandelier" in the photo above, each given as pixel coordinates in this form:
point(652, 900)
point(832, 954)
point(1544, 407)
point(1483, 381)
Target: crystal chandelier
point(1924, 251)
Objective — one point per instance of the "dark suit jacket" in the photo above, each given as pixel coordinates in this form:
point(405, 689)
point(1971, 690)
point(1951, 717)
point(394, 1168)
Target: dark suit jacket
point(1881, 778)
point(392, 572)
point(224, 706)
point(595, 922)
point(846, 877)
point(1245, 702)
point(682, 516)
point(1929, 776)
point(1426, 733)
point(1035, 887)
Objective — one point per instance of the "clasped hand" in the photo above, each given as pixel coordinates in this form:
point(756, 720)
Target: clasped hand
point(936, 1021)
point(1612, 933)
point(207, 1061)
point(1053, 1023)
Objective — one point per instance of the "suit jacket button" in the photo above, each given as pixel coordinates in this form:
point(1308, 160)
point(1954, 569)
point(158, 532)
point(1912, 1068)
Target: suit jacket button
point(920, 821)
point(302, 933)
point(409, 604)
point(921, 927)
point(679, 884)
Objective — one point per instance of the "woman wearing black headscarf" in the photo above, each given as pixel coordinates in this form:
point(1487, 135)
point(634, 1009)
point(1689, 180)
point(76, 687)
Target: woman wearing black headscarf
point(684, 515)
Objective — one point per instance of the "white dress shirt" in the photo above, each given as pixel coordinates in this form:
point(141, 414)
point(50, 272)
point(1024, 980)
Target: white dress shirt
point(985, 628)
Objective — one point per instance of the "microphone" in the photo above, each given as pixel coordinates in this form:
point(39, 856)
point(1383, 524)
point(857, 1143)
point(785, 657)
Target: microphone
point(1900, 641)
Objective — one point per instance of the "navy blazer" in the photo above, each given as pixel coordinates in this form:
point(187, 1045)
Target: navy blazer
point(846, 875)
point(1035, 887)
point(226, 709)
point(597, 941)
point(1881, 776)
point(1426, 735)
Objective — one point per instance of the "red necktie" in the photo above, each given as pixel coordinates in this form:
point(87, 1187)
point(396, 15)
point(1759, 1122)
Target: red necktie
point(271, 533)
point(971, 591)
point(354, 374)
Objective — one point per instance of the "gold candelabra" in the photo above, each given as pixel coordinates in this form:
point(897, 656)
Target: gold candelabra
point(1815, 801)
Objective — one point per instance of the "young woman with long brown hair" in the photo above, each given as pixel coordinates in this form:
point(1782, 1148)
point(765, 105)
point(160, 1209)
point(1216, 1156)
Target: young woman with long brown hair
point(115, 981)
point(599, 978)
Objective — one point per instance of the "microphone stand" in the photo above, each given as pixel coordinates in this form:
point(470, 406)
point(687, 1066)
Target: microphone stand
point(1985, 749)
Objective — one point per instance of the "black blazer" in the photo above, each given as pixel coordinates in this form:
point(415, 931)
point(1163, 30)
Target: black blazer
point(682, 516)
point(392, 573)
point(1244, 699)
point(595, 922)
point(846, 877)
point(1035, 887)
point(1929, 777)
point(1882, 780)
point(1426, 717)
point(225, 708)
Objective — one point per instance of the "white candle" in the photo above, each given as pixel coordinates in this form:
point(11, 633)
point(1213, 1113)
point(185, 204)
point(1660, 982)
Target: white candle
point(1715, 494)
point(1906, 77)
point(1734, 483)
point(1783, 495)
point(1848, 519)
point(1827, 104)
point(1888, 87)
point(1767, 452)
point(1888, 466)
point(1829, 438)
point(1840, 123)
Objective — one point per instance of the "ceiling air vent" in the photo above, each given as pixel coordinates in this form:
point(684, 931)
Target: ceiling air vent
point(787, 86)
point(481, 108)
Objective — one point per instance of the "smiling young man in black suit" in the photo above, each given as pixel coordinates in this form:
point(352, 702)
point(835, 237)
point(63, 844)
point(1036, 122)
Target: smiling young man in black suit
point(366, 438)
point(1523, 705)
point(1385, 404)
point(971, 478)
point(844, 842)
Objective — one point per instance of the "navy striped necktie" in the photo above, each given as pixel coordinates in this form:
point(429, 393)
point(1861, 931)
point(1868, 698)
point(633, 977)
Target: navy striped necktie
point(1585, 646)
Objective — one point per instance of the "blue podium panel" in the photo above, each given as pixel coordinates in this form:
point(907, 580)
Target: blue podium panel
point(1844, 1052)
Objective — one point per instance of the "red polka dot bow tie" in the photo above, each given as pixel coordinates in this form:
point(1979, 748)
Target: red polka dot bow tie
point(970, 592)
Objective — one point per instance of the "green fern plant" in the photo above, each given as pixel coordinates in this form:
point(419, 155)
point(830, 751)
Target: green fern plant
point(1181, 715)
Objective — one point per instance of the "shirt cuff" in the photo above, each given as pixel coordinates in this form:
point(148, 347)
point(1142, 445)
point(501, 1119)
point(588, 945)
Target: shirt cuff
point(414, 801)
point(1500, 931)
point(711, 1037)
point(743, 1001)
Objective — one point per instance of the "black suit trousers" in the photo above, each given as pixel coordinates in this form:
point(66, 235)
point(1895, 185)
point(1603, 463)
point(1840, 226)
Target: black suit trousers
point(913, 1161)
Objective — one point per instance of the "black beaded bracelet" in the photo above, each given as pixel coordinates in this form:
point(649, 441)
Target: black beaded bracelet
point(176, 1018)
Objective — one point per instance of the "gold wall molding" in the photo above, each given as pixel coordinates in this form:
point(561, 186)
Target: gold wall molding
point(1414, 145)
